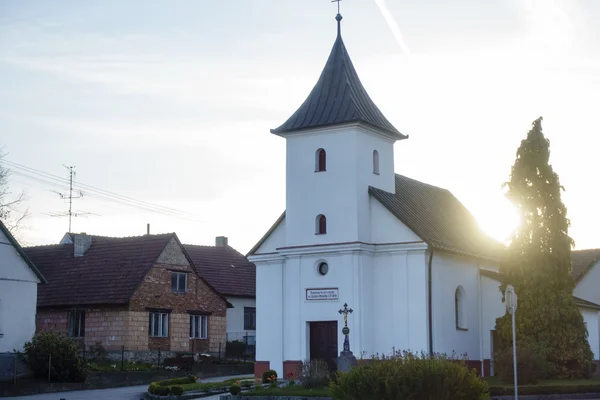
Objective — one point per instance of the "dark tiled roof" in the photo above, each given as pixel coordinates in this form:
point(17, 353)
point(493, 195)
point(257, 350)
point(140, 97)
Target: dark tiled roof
point(338, 97)
point(19, 249)
point(108, 273)
point(224, 268)
point(583, 261)
point(437, 217)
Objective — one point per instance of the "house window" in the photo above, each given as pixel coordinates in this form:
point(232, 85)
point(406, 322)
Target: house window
point(179, 282)
point(320, 160)
point(76, 319)
point(459, 308)
point(159, 324)
point(198, 326)
point(250, 318)
point(321, 225)
point(375, 162)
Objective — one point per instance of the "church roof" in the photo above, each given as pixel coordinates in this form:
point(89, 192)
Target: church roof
point(439, 218)
point(338, 98)
point(583, 261)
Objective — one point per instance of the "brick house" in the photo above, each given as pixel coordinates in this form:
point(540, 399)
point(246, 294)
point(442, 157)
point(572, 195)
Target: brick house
point(141, 292)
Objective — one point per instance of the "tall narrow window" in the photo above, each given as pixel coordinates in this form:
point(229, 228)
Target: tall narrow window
point(179, 282)
point(320, 160)
point(250, 318)
point(321, 225)
point(375, 162)
point(198, 326)
point(159, 324)
point(76, 320)
point(459, 308)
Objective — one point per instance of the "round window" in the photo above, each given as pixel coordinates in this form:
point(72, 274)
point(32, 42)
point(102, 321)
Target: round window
point(323, 268)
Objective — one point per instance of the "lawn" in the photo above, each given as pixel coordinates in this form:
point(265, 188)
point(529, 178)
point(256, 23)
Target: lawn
point(495, 381)
point(295, 390)
point(108, 366)
point(497, 387)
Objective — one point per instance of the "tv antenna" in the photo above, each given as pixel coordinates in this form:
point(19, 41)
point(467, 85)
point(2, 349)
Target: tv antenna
point(70, 197)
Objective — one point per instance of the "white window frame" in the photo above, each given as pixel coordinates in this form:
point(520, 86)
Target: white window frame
point(163, 324)
point(177, 289)
point(198, 326)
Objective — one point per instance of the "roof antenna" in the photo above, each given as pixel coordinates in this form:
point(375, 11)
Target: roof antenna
point(338, 17)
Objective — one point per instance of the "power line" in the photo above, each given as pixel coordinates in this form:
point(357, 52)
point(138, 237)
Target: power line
point(91, 191)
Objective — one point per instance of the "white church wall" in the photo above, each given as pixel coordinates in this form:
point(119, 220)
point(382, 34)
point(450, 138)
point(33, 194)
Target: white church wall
point(399, 313)
point(269, 313)
point(590, 317)
point(386, 228)
point(275, 240)
point(448, 273)
point(493, 308)
point(587, 288)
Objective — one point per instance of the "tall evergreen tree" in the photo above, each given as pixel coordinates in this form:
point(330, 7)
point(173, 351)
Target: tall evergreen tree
point(539, 266)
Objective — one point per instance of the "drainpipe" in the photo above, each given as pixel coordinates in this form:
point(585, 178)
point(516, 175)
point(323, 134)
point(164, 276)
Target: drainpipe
point(480, 306)
point(430, 301)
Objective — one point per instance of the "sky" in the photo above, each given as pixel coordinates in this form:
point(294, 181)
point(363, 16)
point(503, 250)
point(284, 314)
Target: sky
point(171, 102)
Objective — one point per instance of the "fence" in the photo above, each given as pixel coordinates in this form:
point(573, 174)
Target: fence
point(241, 345)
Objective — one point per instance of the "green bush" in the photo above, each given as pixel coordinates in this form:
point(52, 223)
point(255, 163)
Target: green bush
point(531, 364)
point(235, 348)
point(153, 387)
point(163, 391)
point(62, 352)
point(98, 352)
point(176, 390)
point(314, 373)
point(269, 376)
point(235, 389)
point(408, 376)
point(177, 381)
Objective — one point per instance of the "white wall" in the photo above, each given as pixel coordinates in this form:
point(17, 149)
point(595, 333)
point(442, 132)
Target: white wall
point(235, 317)
point(18, 297)
point(386, 228)
point(493, 308)
point(269, 313)
point(587, 288)
point(341, 192)
point(591, 319)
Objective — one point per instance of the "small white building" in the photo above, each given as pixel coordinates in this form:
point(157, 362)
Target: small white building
point(586, 272)
point(19, 279)
point(406, 256)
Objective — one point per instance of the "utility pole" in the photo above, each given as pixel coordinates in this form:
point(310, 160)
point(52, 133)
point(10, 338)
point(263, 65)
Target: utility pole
point(70, 197)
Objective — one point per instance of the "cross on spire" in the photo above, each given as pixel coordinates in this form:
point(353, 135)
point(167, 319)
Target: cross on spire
point(338, 17)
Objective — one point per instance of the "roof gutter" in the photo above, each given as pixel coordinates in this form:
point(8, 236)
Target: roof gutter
point(429, 300)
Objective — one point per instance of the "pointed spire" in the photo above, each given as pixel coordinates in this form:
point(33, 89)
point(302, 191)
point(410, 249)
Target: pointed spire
point(338, 98)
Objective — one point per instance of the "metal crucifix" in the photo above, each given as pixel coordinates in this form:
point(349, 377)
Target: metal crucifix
point(338, 4)
point(346, 331)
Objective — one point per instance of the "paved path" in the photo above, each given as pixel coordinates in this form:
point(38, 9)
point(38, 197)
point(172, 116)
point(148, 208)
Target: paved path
point(126, 393)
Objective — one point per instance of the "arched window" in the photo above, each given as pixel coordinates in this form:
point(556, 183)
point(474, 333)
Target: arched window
point(375, 162)
point(459, 308)
point(320, 160)
point(321, 225)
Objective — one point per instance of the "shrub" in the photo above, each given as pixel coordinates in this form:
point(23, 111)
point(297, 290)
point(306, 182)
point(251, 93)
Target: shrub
point(408, 376)
point(162, 391)
point(65, 364)
point(235, 348)
point(181, 361)
point(153, 387)
point(177, 381)
point(235, 389)
point(314, 373)
point(531, 364)
point(176, 390)
point(269, 375)
point(98, 352)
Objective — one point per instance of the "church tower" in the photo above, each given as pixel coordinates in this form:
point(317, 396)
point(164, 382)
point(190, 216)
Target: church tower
point(338, 144)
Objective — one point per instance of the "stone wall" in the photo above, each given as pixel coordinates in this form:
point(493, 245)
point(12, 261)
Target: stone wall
point(217, 333)
point(51, 321)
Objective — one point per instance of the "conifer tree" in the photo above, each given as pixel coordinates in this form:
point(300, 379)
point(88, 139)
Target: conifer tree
point(539, 266)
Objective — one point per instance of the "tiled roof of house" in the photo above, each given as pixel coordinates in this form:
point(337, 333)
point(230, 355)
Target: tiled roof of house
point(439, 218)
point(227, 270)
point(108, 273)
point(19, 250)
point(583, 261)
point(338, 98)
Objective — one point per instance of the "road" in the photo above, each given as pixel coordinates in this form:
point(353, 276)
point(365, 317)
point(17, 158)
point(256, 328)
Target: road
point(125, 393)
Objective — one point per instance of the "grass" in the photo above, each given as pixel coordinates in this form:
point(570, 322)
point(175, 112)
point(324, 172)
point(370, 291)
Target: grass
point(496, 381)
point(107, 366)
point(188, 387)
point(295, 390)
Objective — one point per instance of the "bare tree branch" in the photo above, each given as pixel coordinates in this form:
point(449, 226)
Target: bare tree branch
point(10, 205)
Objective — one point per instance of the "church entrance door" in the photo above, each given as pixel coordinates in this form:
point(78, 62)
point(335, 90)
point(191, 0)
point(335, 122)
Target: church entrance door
point(324, 342)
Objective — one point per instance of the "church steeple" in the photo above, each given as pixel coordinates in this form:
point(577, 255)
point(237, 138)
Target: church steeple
point(338, 98)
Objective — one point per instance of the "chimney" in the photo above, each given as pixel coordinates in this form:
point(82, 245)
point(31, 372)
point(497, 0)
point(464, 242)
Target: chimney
point(81, 243)
point(147, 229)
point(221, 241)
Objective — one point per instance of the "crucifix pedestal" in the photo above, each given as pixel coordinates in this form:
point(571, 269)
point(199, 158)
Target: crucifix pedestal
point(346, 360)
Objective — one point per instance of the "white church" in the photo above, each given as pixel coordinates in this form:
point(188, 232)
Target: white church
point(407, 257)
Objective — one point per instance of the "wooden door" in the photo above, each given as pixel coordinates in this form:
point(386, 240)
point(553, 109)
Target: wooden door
point(324, 342)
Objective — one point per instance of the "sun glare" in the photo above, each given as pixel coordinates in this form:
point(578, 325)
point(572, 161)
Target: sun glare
point(498, 219)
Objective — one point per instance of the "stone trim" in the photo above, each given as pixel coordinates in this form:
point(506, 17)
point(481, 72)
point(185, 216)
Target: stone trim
point(260, 367)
